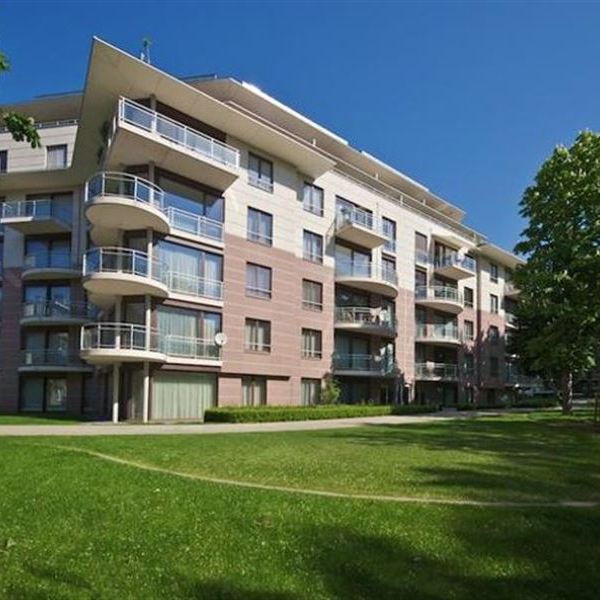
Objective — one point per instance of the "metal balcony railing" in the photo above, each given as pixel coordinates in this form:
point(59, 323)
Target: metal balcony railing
point(38, 209)
point(177, 133)
point(189, 348)
point(52, 259)
point(124, 261)
point(58, 309)
point(44, 357)
point(438, 292)
point(190, 285)
point(372, 363)
point(198, 225)
point(454, 260)
point(365, 270)
point(124, 185)
point(356, 216)
point(369, 317)
point(436, 332)
point(435, 371)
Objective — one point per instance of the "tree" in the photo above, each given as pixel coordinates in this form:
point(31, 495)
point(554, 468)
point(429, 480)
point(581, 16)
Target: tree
point(20, 126)
point(559, 304)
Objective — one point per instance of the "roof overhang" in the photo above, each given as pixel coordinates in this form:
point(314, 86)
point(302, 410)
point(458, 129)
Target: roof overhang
point(499, 255)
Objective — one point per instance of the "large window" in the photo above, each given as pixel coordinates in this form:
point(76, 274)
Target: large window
point(56, 156)
point(43, 394)
point(310, 391)
point(494, 334)
point(493, 303)
point(187, 323)
point(45, 347)
point(468, 295)
point(258, 335)
point(3, 161)
point(494, 272)
point(254, 391)
point(313, 246)
point(260, 172)
point(421, 251)
point(191, 271)
point(189, 199)
point(312, 295)
point(469, 330)
point(312, 345)
point(260, 227)
point(312, 199)
point(52, 300)
point(258, 281)
point(182, 395)
point(389, 230)
point(44, 253)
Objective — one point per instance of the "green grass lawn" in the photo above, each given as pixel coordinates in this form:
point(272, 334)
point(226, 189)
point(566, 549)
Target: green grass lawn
point(76, 526)
point(41, 419)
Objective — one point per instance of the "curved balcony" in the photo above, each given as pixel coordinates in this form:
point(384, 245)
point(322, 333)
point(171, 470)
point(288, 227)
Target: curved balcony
point(57, 312)
point(442, 335)
point(370, 277)
point(364, 365)
point(43, 360)
point(32, 217)
point(429, 371)
point(366, 320)
point(56, 264)
point(439, 297)
point(122, 201)
point(123, 272)
point(455, 266)
point(359, 227)
point(110, 343)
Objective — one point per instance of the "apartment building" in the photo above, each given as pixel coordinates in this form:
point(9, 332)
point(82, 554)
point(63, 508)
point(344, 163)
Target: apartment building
point(183, 243)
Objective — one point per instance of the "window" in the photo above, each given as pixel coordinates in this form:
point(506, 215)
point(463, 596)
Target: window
point(312, 199)
point(468, 295)
point(469, 330)
point(260, 172)
point(258, 281)
point(44, 253)
point(494, 366)
point(389, 230)
point(494, 334)
point(258, 335)
point(311, 343)
point(56, 157)
point(310, 392)
point(39, 394)
point(313, 246)
point(312, 295)
point(421, 253)
point(3, 161)
point(260, 227)
point(52, 300)
point(254, 391)
point(469, 364)
point(493, 303)
point(494, 272)
point(388, 266)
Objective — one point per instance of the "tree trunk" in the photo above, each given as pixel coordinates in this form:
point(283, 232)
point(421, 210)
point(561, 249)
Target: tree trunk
point(566, 384)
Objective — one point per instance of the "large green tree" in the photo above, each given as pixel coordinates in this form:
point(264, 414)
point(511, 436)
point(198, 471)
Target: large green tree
point(559, 307)
point(21, 127)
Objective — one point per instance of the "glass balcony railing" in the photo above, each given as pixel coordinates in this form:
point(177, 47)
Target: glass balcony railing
point(435, 371)
point(52, 259)
point(193, 224)
point(38, 209)
point(365, 270)
point(356, 216)
point(177, 133)
point(372, 363)
point(124, 261)
point(438, 292)
point(438, 332)
point(190, 285)
point(44, 357)
point(125, 185)
point(454, 260)
point(368, 317)
point(58, 309)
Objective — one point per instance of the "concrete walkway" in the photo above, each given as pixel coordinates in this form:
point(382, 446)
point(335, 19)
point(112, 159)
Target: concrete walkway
point(107, 428)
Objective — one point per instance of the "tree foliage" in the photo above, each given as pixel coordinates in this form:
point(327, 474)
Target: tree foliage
point(21, 127)
point(559, 305)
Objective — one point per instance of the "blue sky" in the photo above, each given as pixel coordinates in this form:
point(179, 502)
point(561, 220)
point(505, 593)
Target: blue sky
point(466, 97)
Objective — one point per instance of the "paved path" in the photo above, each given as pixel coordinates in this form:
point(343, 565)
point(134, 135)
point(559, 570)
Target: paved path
point(107, 428)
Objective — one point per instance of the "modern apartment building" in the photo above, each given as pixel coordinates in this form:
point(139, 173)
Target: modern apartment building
point(183, 243)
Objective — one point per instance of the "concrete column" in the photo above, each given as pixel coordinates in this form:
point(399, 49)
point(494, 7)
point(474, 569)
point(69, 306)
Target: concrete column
point(115, 393)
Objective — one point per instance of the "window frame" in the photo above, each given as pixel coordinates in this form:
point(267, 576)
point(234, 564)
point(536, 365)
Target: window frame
point(250, 346)
point(255, 236)
point(468, 291)
point(310, 304)
point(55, 147)
point(255, 291)
point(311, 205)
point(314, 258)
point(494, 272)
point(4, 160)
point(308, 353)
point(257, 179)
point(494, 304)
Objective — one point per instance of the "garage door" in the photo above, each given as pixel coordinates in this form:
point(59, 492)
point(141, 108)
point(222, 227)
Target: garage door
point(182, 395)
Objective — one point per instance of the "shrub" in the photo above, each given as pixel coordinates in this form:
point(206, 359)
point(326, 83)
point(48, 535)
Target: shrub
point(330, 394)
point(264, 414)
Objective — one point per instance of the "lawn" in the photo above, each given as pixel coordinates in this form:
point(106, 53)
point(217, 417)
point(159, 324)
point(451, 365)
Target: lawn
point(41, 419)
point(77, 526)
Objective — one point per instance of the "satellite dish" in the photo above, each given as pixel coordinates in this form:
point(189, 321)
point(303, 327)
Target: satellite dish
point(220, 338)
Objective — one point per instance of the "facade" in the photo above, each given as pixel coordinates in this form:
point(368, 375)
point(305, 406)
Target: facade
point(179, 244)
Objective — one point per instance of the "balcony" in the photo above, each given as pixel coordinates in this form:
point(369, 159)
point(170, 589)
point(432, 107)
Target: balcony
point(119, 201)
point(182, 284)
point(143, 135)
point(52, 264)
point(367, 276)
point(31, 217)
point(364, 365)
point(443, 335)
point(43, 360)
point(366, 320)
point(187, 224)
point(454, 266)
point(430, 371)
point(439, 297)
point(359, 227)
point(511, 320)
point(511, 290)
point(109, 343)
point(111, 272)
point(57, 312)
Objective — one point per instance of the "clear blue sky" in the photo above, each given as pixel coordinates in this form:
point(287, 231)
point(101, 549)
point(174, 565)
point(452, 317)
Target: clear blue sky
point(466, 97)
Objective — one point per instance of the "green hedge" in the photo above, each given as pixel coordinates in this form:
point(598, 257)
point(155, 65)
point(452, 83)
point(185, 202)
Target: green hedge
point(521, 403)
point(263, 414)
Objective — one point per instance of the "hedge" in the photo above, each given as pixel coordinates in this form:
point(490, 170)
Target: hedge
point(521, 403)
point(263, 414)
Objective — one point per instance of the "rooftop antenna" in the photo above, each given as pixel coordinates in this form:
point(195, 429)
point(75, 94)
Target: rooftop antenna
point(145, 53)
